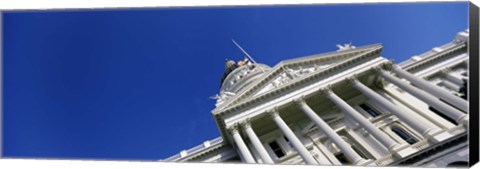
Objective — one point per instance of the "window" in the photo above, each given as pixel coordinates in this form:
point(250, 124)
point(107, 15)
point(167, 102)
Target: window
point(369, 110)
point(404, 135)
point(356, 146)
point(288, 141)
point(276, 149)
point(338, 154)
point(464, 89)
point(342, 158)
point(359, 152)
point(278, 146)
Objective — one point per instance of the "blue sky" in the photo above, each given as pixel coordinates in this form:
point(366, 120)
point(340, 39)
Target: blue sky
point(135, 83)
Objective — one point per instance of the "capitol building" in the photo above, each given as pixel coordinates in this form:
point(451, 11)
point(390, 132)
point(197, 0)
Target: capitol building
point(346, 107)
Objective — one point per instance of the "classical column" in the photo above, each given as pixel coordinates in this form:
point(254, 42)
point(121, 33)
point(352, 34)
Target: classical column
point(431, 88)
point(244, 152)
point(331, 134)
point(446, 72)
point(449, 111)
point(406, 116)
point(366, 124)
point(257, 144)
point(297, 144)
point(451, 86)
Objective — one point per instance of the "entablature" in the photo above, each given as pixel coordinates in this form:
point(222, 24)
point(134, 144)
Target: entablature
point(361, 65)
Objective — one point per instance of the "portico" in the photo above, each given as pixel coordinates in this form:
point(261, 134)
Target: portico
point(408, 116)
point(352, 106)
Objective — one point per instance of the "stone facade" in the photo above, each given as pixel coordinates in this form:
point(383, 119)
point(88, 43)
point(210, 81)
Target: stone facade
point(348, 107)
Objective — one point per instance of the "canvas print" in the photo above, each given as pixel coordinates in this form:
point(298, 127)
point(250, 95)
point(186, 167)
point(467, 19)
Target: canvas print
point(374, 84)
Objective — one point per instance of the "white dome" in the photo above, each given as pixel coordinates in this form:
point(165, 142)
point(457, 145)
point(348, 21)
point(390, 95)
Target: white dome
point(242, 76)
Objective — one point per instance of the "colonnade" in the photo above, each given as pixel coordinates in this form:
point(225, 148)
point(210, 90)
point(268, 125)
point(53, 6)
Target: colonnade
point(425, 91)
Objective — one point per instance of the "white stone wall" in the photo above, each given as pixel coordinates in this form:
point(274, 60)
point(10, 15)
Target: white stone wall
point(320, 146)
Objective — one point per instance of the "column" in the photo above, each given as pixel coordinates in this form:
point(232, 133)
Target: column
point(297, 144)
point(451, 85)
point(257, 144)
point(244, 152)
point(406, 116)
point(431, 88)
point(446, 72)
point(366, 124)
point(331, 134)
point(449, 111)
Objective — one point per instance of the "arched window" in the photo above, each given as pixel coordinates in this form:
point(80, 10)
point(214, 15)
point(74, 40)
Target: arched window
point(404, 135)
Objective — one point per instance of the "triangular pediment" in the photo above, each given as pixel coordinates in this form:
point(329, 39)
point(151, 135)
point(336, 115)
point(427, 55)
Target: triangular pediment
point(291, 71)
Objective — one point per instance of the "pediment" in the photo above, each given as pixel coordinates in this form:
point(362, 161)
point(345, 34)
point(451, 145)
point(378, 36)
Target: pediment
point(290, 71)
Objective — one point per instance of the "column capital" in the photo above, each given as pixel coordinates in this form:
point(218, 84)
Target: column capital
point(233, 128)
point(352, 80)
point(301, 103)
point(247, 123)
point(299, 100)
point(326, 91)
point(273, 113)
point(377, 69)
point(388, 65)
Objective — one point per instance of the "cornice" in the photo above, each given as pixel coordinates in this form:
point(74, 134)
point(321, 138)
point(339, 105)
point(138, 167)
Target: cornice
point(301, 80)
point(374, 51)
point(202, 153)
point(438, 56)
point(279, 68)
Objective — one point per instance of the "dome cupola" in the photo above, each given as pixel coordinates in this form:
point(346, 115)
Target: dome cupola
point(237, 76)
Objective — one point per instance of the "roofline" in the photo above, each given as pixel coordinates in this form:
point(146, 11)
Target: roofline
point(281, 64)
